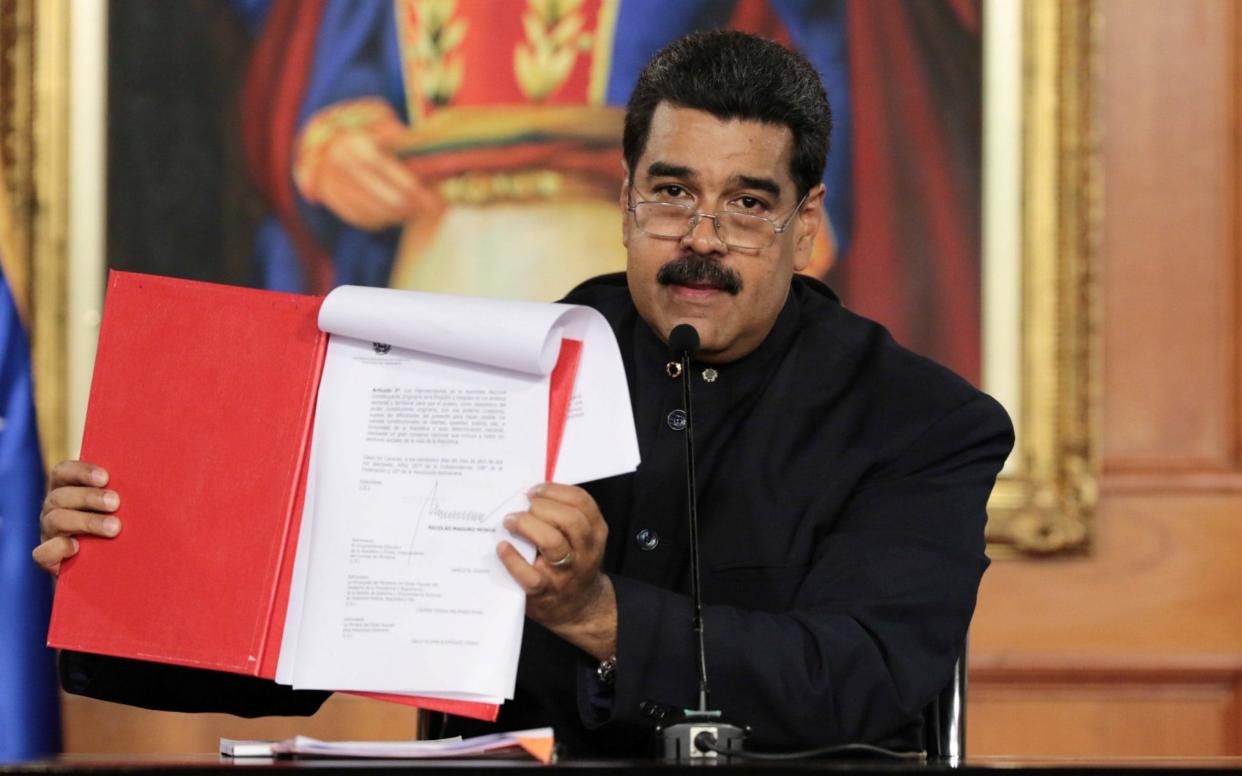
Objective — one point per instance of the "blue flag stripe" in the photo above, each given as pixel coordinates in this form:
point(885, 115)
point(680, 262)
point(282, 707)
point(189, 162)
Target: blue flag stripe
point(29, 701)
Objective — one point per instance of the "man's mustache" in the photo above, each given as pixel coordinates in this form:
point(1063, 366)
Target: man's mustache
point(695, 271)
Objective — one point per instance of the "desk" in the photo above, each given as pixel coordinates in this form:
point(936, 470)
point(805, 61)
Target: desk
point(188, 765)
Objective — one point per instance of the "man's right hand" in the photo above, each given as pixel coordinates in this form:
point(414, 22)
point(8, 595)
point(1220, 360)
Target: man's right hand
point(77, 503)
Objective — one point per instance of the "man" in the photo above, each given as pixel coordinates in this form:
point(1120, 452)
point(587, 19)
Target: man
point(842, 480)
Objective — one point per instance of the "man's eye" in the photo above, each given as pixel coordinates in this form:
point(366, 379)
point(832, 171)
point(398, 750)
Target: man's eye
point(671, 192)
point(749, 203)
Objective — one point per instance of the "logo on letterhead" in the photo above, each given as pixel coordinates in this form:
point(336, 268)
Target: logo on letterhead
point(381, 348)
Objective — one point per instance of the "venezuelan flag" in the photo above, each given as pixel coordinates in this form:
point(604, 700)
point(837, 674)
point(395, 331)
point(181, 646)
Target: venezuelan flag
point(29, 703)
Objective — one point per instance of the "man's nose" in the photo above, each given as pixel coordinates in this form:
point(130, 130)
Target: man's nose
point(702, 237)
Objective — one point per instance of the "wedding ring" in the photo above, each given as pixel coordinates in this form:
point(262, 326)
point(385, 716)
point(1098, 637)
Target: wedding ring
point(563, 562)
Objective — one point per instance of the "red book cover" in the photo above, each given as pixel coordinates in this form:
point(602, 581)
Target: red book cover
point(200, 409)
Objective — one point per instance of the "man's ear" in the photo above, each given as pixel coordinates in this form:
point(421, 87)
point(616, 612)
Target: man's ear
point(810, 220)
point(623, 202)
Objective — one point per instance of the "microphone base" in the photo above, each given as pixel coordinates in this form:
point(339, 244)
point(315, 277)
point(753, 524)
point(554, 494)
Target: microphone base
point(677, 741)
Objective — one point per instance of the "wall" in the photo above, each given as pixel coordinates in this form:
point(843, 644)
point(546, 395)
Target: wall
point(1137, 648)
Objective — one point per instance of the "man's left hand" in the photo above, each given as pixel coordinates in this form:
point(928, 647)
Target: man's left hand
point(566, 591)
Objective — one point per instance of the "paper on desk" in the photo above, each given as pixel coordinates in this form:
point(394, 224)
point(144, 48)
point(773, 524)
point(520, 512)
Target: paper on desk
point(538, 743)
point(240, 747)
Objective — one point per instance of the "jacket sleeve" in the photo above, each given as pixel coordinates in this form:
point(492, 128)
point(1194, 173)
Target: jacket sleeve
point(177, 688)
point(876, 625)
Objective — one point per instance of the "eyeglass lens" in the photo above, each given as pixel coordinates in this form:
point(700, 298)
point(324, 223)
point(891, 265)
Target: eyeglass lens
point(736, 229)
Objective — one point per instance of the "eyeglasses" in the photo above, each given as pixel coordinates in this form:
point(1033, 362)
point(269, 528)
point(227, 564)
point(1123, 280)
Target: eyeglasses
point(673, 221)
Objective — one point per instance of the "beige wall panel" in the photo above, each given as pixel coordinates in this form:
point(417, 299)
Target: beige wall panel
point(96, 726)
point(1102, 720)
point(1137, 647)
point(1164, 578)
point(1169, 167)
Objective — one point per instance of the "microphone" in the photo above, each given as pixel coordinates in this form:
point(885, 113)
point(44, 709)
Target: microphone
point(698, 733)
point(683, 341)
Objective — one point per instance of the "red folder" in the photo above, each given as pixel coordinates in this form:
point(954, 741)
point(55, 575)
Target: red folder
point(201, 409)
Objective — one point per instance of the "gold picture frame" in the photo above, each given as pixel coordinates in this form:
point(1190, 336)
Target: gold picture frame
point(34, 122)
point(1042, 505)
point(1046, 506)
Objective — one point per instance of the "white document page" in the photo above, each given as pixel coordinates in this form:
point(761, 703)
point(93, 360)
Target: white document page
point(297, 584)
point(293, 619)
point(599, 439)
point(508, 334)
point(407, 589)
point(402, 516)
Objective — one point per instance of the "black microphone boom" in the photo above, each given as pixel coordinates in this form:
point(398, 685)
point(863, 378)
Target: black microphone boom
point(683, 340)
point(697, 733)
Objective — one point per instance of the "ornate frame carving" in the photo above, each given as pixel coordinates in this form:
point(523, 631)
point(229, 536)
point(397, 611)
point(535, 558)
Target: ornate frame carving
point(34, 133)
point(1044, 508)
point(16, 152)
point(1047, 506)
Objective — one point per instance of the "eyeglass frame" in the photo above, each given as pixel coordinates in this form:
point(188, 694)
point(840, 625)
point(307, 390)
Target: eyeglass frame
point(696, 216)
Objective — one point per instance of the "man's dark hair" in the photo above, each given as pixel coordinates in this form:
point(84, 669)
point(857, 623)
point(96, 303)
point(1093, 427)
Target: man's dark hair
point(733, 75)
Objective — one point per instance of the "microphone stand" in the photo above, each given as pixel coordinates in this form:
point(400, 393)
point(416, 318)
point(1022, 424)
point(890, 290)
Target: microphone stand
point(697, 734)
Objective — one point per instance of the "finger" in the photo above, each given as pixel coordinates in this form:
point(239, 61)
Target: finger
point(568, 520)
point(527, 577)
point(68, 522)
point(393, 173)
point(373, 189)
point(49, 554)
point(77, 473)
point(379, 189)
point(373, 154)
point(359, 205)
point(594, 531)
point(566, 494)
point(345, 192)
point(88, 499)
point(360, 158)
point(552, 543)
point(585, 529)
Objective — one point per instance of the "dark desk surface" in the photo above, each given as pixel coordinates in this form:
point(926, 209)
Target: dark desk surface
point(184, 765)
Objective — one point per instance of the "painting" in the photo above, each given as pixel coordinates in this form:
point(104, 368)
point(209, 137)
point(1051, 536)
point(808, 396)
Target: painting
point(472, 146)
point(223, 118)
